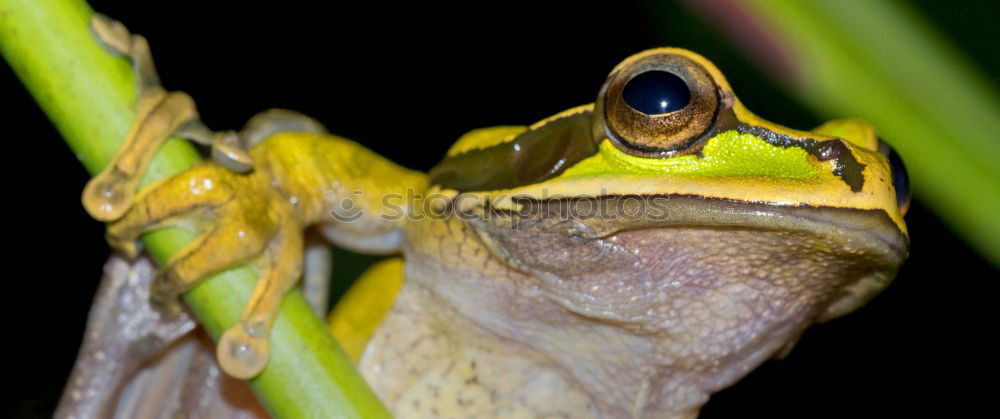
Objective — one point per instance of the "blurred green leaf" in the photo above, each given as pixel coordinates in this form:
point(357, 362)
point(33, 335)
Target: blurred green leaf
point(881, 61)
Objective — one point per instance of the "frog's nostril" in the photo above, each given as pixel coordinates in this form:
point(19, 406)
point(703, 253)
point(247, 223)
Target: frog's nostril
point(656, 92)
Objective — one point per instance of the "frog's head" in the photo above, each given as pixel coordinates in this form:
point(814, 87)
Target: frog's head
point(666, 122)
point(667, 198)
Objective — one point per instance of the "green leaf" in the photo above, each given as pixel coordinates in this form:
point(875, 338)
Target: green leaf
point(881, 61)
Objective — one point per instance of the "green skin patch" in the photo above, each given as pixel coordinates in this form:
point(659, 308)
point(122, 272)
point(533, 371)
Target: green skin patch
point(727, 154)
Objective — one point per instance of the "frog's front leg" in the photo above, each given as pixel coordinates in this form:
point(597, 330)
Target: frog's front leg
point(244, 216)
point(258, 217)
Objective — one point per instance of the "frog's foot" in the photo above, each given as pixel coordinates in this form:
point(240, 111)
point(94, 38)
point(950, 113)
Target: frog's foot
point(109, 194)
point(240, 219)
point(160, 115)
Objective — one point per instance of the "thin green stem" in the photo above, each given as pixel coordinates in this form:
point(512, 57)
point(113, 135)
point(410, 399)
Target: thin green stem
point(89, 95)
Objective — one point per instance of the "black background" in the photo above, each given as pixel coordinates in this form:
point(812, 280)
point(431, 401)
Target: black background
point(407, 82)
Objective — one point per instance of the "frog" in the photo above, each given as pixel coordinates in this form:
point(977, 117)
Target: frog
point(624, 258)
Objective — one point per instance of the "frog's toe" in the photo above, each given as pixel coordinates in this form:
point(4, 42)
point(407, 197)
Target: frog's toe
point(112, 34)
point(228, 244)
point(162, 298)
point(273, 121)
point(107, 197)
point(172, 201)
point(241, 354)
point(244, 349)
point(228, 152)
point(130, 248)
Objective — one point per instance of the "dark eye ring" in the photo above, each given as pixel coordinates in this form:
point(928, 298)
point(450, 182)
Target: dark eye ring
point(656, 104)
point(900, 178)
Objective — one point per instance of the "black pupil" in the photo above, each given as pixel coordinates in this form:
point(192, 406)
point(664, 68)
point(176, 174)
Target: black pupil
point(656, 92)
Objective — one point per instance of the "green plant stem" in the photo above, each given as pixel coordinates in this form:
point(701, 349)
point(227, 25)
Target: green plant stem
point(89, 95)
point(879, 60)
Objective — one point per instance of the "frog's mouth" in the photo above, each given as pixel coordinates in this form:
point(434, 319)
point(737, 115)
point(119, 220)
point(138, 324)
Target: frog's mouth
point(577, 240)
point(598, 217)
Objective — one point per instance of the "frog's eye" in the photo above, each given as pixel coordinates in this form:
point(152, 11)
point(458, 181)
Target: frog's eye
point(656, 105)
point(900, 179)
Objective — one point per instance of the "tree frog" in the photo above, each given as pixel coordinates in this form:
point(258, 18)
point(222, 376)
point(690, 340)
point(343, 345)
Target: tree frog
point(627, 257)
